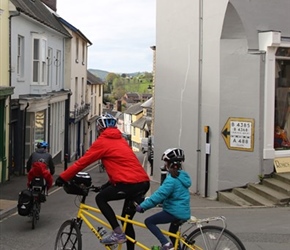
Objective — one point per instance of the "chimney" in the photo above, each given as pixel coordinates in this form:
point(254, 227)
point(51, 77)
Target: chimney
point(50, 3)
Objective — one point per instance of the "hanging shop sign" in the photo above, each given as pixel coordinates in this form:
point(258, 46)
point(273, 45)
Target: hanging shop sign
point(238, 133)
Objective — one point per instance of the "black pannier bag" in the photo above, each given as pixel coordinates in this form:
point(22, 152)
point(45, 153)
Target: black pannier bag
point(77, 184)
point(25, 202)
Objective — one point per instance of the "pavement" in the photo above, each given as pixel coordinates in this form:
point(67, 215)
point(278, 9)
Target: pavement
point(10, 189)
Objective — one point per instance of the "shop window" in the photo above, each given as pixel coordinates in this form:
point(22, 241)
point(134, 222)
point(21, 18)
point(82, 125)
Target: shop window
point(39, 126)
point(282, 100)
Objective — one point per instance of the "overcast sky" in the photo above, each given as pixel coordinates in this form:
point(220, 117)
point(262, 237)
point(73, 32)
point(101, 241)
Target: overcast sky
point(121, 31)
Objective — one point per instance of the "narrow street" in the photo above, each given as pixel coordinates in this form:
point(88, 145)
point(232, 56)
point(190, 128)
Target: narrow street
point(258, 228)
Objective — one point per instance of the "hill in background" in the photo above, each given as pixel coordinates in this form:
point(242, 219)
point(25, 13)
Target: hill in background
point(103, 74)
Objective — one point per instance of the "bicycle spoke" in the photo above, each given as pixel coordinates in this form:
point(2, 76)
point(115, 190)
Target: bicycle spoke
point(68, 237)
point(68, 240)
point(215, 238)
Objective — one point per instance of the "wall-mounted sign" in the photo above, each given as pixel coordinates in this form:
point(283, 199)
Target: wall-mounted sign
point(238, 133)
point(282, 165)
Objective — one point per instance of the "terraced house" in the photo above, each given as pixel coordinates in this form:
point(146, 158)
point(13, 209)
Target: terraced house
point(5, 90)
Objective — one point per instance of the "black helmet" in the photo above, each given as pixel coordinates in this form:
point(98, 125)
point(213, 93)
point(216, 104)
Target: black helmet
point(106, 121)
point(173, 155)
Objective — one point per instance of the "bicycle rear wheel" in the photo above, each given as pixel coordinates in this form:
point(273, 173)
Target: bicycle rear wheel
point(68, 237)
point(34, 214)
point(214, 237)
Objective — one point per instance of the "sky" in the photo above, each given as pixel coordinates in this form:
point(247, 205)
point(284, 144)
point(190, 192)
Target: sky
point(121, 31)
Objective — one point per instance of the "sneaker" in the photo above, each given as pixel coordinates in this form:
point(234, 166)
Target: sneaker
point(114, 238)
point(167, 246)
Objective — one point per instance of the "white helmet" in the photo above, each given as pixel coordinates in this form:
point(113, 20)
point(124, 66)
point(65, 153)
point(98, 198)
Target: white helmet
point(106, 121)
point(173, 155)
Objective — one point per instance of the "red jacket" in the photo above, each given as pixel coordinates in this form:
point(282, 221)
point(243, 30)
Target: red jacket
point(39, 170)
point(119, 160)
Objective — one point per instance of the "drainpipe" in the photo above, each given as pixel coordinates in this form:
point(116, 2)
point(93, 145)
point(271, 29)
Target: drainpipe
point(10, 110)
point(49, 126)
point(200, 60)
point(66, 130)
point(24, 138)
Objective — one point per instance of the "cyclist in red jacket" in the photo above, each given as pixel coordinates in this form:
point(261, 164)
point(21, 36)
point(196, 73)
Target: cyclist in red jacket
point(127, 177)
point(39, 170)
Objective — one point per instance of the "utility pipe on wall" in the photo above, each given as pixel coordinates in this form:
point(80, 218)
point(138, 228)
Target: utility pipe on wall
point(200, 60)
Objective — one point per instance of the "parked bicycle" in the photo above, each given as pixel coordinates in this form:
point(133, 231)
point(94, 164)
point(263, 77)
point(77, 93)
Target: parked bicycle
point(29, 202)
point(196, 236)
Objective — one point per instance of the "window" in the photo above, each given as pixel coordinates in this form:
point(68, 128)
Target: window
point(20, 56)
point(57, 67)
point(49, 65)
point(83, 91)
point(83, 53)
point(76, 92)
point(39, 61)
point(39, 126)
point(77, 50)
point(92, 106)
point(282, 99)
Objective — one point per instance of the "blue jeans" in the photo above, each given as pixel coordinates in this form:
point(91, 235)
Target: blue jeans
point(161, 218)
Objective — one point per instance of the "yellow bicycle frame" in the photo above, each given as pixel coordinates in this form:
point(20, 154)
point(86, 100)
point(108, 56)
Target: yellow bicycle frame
point(85, 211)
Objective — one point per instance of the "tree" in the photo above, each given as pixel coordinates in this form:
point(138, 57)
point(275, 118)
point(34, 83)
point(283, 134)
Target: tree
point(110, 79)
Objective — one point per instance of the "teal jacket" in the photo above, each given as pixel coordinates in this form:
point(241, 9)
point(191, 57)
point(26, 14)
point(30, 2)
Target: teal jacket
point(174, 196)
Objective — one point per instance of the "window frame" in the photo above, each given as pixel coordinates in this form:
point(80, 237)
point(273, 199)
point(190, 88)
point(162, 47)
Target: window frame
point(39, 60)
point(270, 44)
point(20, 56)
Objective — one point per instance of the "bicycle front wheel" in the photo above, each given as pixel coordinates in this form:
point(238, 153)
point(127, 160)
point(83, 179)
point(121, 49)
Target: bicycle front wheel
point(214, 237)
point(68, 237)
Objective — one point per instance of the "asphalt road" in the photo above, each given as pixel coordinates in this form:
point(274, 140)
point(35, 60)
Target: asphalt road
point(258, 228)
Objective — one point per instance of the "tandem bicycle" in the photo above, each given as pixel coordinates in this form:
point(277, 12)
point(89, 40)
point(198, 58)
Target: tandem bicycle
point(199, 234)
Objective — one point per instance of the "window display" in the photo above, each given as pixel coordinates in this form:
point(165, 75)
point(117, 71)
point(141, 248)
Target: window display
point(282, 99)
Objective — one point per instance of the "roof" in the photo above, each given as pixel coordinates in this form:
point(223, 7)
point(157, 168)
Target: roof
point(134, 109)
point(148, 103)
point(146, 96)
point(114, 113)
point(38, 11)
point(140, 123)
point(132, 95)
point(74, 29)
point(92, 79)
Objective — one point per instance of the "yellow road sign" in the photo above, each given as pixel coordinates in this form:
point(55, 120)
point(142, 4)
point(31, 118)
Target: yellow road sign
point(238, 133)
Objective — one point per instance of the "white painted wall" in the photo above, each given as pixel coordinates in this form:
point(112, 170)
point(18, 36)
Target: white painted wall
point(26, 27)
point(209, 68)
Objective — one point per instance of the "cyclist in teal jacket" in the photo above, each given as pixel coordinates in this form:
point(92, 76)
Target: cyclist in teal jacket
point(174, 196)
